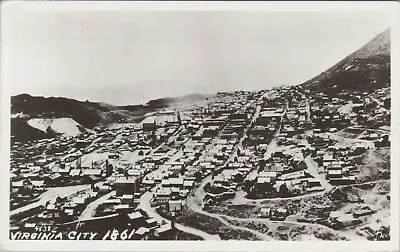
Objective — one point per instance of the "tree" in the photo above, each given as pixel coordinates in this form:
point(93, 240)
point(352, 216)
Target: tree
point(261, 164)
point(109, 168)
point(238, 178)
point(183, 169)
point(386, 103)
point(207, 186)
point(247, 184)
point(283, 190)
point(197, 175)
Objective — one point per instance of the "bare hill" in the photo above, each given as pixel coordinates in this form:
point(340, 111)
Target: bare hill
point(366, 69)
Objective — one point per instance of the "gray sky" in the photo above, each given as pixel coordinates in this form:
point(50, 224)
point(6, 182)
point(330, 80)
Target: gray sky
point(129, 57)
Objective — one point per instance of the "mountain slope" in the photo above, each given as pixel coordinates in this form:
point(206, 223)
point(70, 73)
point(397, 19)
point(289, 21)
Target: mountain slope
point(21, 131)
point(166, 102)
point(37, 117)
point(366, 69)
point(64, 126)
point(87, 114)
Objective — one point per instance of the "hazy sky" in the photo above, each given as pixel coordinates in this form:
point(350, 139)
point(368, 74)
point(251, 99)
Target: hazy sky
point(129, 57)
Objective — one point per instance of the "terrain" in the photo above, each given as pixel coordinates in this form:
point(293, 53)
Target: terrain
point(366, 69)
point(37, 117)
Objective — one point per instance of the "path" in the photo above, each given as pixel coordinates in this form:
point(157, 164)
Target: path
point(364, 183)
point(349, 234)
point(90, 209)
point(145, 205)
point(242, 200)
point(345, 141)
point(193, 206)
point(50, 195)
point(314, 171)
point(198, 194)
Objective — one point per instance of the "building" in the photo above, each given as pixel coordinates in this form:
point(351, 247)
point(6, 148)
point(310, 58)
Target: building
point(126, 185)
point(149, 124)
point(175, 206)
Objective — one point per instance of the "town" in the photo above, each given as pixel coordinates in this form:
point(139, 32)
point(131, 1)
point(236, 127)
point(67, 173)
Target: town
point(279, 164)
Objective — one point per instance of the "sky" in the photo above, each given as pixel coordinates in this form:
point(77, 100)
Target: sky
point(129, 56)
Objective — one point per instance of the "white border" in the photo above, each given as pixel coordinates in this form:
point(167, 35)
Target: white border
point(391, 7)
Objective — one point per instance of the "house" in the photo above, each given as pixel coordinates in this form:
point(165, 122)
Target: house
point(327, 160)
point(75, 173)
point(300, 165)
point(341, 220)
point(92, 172)
point(162, 149)
point(313, 182)
point(149, 124)
point(123, 208)
point(188, 184)
point(176, 182)
point(112, 202)
point(53, 179)
point(165, 183)
point(162, 195)
point(334, 171)
point(164, 230)
point(343, 180)
point(142, 233)
point(265, 212)
point(103, 189)
point(126, 185)
point(29, 226)
point(175, 206)
point(38, 184)
point(127, 199)
point(263, 180)
point(148, 182)
point(114, 155)
point(64, 169)
point(151, 223)
point(362, 211)
point(270, 174)
point(135, 172)
point(278, 214)
point(136, 218)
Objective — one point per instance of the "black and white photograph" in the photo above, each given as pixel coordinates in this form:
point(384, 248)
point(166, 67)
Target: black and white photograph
point(199, 122)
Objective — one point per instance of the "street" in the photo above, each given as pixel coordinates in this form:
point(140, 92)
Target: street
point(50, 195)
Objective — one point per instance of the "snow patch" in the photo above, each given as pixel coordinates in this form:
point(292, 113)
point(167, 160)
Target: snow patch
point(348, 67)
point(19, 115)
point(65, 126)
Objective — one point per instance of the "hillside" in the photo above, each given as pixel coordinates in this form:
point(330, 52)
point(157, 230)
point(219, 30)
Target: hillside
point(37, 117)
point(165, 102)
point(21, 131)
point(63, 126)
point(366, 69)
point(87, 114)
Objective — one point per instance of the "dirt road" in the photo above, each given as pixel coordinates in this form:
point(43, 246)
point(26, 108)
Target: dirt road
point(314, 171)
point(145, 205)
point(50, 195)
point(195, 203)
point(195, 207)
point(91, 208)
